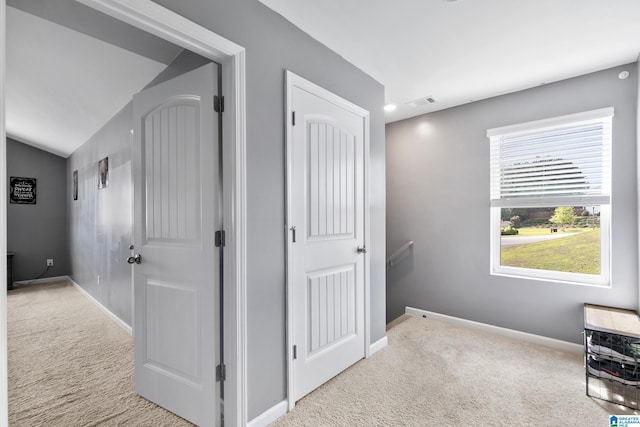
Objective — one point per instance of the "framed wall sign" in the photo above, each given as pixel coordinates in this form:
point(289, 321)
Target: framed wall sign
point(103, 173)
point(74, 188)
point(22, 190)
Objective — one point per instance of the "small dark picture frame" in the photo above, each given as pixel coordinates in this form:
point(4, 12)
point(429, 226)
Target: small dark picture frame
point(74, 188)
point(103, 173)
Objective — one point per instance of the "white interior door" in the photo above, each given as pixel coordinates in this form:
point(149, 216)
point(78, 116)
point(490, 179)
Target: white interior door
point(176, 208)
point(327, 252)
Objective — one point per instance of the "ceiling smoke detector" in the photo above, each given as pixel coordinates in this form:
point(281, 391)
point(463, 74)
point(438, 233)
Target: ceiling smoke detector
point(422, 101)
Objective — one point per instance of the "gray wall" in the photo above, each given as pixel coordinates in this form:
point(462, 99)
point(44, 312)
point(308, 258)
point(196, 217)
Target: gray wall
point(185, 61)
point(101, 221)
point(38, 232)
point(272, 46)
point(438, 196)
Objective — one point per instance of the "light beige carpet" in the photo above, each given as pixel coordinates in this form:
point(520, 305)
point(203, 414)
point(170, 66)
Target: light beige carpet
point(436, 374)
point(70, 365)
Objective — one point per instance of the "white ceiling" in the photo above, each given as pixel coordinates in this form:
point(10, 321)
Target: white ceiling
point(467, 50)
point(62, 85)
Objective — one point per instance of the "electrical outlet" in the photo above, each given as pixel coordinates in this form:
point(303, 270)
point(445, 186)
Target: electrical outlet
point(50, 262)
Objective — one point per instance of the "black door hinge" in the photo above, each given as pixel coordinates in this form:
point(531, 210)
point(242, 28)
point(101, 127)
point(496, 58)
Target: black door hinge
point(293, 118)
point(218, 104)
point(295, 352)
point(220, 238)
point(221, 372)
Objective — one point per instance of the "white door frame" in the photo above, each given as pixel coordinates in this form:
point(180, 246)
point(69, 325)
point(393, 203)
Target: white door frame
point(159, 21)
point(292, 80)
point(4, 392)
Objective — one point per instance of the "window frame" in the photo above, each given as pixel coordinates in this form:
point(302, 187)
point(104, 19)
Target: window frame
point(603, 200)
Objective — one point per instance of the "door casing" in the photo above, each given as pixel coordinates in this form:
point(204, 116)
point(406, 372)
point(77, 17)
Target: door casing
point(292, 80)
point(4, 380)
point(161, 22)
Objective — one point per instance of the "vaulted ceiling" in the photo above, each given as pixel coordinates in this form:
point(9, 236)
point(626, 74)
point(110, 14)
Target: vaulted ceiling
point(70, 69)
point(457, 51)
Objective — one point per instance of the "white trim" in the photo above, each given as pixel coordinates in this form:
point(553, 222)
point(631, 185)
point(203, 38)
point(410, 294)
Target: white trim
point(102, 308)
point(546, 201)
point(155, 19)
point(235, 224)
point(378, 345)
point(295, 80)
point(133, 216)
point(166, 24)
point(509, 333)
point(270, 415)
point(289, 266)
point(551, 122)
point(43, 280)
point(291, 80)
point(638, 163)
point(4, 391)
point(367, 236)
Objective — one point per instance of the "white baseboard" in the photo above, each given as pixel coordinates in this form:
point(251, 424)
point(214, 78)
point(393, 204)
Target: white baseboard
point(377, 346)
point(510, 333)
point(270, 415)
point(43, 280)
point(104, 309)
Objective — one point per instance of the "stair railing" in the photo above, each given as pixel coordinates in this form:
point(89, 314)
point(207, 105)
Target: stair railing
point(395, 257)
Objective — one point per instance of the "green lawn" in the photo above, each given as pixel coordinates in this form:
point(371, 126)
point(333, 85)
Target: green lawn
point(579, 253)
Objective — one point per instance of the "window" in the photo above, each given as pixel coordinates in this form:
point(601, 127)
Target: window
point(550, 188)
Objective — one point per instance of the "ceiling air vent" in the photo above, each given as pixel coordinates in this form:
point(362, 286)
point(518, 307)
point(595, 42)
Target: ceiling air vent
point(422, 101)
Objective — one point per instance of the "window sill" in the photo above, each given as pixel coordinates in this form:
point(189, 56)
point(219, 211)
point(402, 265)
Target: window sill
point(547, 276)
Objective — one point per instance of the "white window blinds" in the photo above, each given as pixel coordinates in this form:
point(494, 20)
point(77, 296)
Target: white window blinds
point(564, 161)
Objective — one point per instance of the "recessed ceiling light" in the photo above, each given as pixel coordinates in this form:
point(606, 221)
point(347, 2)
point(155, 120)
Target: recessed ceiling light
point(390, 107)
point(623, 75)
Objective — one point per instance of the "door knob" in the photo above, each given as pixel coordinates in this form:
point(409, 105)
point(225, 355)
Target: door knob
point(135, 259)
point(362, 249)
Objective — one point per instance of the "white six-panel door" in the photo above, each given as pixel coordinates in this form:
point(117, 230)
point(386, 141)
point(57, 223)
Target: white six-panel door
point(326, 236)
point(176, 209)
